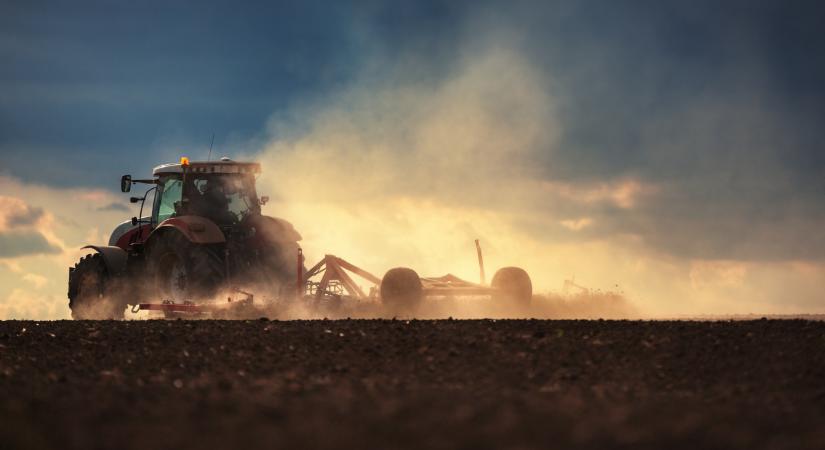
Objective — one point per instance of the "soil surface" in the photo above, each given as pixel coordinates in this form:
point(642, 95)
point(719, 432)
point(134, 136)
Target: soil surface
point(516, 384)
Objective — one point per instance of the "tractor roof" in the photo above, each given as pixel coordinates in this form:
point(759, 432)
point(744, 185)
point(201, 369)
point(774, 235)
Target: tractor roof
point(225, 165)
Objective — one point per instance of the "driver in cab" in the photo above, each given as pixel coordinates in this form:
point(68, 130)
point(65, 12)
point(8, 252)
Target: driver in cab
point(211, 201)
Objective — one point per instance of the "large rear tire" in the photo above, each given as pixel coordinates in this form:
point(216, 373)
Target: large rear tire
point(401, 290)
point(89, 296)
point(181, 270)
point(278, 269)
point(512, 286)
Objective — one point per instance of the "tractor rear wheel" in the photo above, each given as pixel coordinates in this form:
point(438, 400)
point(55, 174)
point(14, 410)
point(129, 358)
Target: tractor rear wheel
point(88, 296)
point(401, 290)
point(278, 268)
point(512, 286)
point(181, 270)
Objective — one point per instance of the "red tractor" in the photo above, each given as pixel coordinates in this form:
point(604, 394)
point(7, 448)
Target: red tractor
point(205, 231)
point(206, 237)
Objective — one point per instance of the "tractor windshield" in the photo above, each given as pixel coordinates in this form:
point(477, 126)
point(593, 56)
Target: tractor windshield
point(170, 194)
point(224, 198)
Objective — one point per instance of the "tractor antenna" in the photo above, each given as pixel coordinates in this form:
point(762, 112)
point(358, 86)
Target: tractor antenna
point(209, 158)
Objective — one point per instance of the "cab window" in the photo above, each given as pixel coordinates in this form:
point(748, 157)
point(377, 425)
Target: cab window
point(224, 198)
point(169, 192)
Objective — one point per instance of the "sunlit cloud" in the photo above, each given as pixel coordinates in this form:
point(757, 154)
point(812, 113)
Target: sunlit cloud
point(41, 231)
point(623, 193)
point(577, 224)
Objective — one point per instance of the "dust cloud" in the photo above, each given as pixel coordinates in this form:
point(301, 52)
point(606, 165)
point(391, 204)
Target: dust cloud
point(409, 173)
point(543, 306)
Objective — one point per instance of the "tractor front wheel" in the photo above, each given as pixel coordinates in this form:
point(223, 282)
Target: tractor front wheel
point(89, 298)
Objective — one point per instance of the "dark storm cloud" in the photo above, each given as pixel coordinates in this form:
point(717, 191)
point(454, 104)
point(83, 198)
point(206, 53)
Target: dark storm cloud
point(718, 105)
point(101, 86)
point(24, 242)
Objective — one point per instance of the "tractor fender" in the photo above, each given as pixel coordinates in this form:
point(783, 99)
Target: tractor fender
point(114, 258)
point(274, 229)
point(197, 229)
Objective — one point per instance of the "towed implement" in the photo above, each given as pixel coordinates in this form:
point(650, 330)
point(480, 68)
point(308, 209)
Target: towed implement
point(204, 249)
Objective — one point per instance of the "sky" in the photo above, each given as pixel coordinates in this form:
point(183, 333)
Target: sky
point(669, 149)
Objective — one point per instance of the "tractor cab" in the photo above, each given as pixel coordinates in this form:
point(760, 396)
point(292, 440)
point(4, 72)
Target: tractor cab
point(221, 191)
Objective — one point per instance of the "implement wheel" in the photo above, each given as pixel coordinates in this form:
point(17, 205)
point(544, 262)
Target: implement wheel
point(512, 286)
point(401, 290)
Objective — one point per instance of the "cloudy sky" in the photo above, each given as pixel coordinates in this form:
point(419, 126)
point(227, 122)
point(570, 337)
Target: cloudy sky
point(672, 150)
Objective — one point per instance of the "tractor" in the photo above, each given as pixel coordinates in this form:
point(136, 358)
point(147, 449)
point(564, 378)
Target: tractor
point(205, 231)
point(205, 238)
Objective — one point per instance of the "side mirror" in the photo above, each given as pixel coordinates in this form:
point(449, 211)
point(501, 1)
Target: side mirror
point(264, 200)
point(134, 199)
point(126, 183)
point(134, 221)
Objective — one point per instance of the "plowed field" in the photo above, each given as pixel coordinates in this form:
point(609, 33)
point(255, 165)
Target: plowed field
point(418, 384)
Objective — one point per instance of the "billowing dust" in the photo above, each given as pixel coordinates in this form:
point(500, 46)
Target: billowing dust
point(583, 305)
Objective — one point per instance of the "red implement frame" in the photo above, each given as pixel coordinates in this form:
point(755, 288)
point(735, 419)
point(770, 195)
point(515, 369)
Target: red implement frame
point(451, 285)
point(335, 270)
point(198, 308)
point(336, 281)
